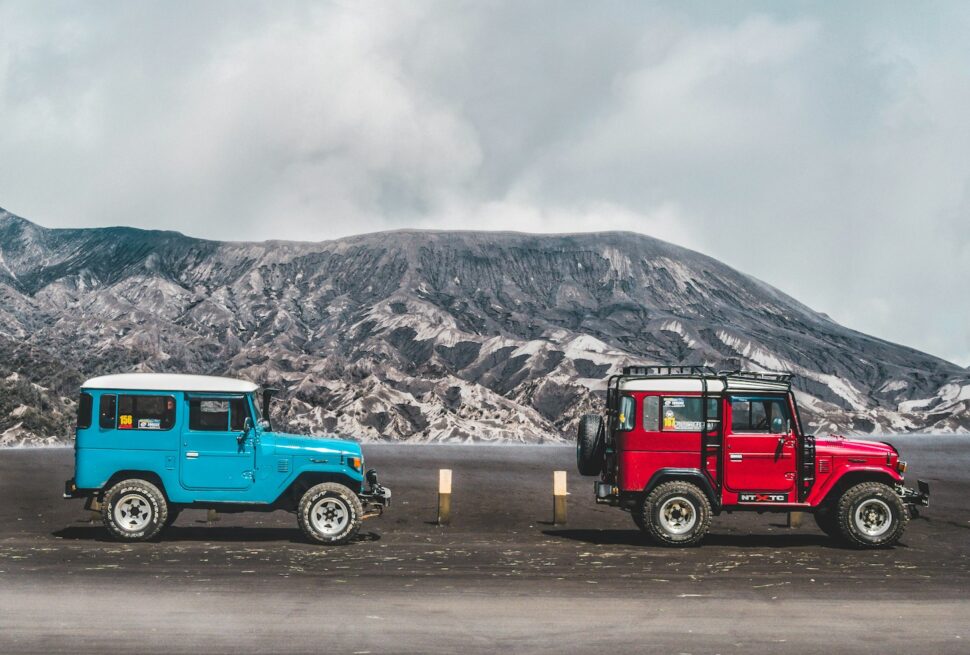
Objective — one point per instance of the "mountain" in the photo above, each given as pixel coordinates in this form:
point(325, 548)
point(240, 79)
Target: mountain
point(426, 336)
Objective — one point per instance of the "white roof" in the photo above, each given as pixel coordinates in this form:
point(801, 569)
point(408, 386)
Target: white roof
point(169, 382)
point(714, 385)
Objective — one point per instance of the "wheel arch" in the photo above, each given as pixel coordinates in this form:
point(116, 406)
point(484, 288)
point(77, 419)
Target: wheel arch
point(694, 476)
point(292, 493)
point(852, 478)
point(133, 474)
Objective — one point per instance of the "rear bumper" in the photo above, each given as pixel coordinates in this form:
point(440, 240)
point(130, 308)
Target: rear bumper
point(913, 499)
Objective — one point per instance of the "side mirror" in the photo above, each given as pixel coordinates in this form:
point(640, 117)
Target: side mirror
point(247, 425)
point(777, 425)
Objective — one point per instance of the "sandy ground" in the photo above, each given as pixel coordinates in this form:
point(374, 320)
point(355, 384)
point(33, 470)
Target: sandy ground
point(500, 579)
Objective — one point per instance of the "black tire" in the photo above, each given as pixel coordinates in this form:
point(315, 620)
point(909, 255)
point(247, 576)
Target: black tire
point(173, 515)
point(638, 519)
point(871, 504)
point(827, 521)
point(679, 502)
point(134, 510)
point(330, 504)
point(590, 444)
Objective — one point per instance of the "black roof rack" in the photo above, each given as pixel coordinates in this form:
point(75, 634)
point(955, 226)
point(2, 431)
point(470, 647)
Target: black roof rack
point(758, 375)
point(678, 370)
point(700, 371)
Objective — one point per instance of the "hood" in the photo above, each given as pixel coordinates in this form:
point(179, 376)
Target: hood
point(838, 445)
point(297, 444)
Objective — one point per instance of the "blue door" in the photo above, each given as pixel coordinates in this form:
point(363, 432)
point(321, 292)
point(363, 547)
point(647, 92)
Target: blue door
point(216, 452)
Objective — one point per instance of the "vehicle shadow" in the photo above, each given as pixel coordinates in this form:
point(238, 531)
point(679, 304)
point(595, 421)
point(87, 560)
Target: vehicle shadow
point(636, 538)
point(173, 533)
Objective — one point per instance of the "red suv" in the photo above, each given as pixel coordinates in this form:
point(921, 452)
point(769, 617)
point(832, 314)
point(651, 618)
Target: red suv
point(682, 443)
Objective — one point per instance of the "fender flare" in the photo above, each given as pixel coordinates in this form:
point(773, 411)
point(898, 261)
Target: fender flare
point(694, 476)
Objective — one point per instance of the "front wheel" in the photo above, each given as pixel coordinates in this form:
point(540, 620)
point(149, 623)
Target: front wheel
point(871, 515)
point(330, 513)
point(676, 514)
point(134, 510)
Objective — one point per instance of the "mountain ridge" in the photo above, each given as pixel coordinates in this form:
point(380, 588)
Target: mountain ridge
point(433, 335)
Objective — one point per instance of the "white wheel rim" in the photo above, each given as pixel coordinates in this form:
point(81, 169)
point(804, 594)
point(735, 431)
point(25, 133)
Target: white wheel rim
point(133, 512)
point(678, 515)
point(873, 517)
point(329, 516)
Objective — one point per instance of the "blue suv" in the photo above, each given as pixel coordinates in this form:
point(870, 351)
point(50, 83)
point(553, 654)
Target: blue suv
point(150, 445)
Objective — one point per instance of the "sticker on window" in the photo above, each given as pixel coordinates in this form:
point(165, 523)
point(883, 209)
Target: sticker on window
point(125, 422)
point(670, 421)
point(673, 402)
point(149, 424)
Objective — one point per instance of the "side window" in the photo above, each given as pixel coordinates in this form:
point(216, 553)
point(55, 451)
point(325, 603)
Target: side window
point(106, 414)
point(146, 412)
point(239, 412)
point(626, 418)
point(756, 415)
point(209, 415)
point(85, 406)
point(218, 414)
point(684, 414)
point(651, 413)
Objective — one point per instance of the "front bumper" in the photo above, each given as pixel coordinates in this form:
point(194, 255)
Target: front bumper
point(376, 498)
point(913, 499)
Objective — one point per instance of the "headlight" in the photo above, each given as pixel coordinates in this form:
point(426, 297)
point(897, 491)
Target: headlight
point(901, 466)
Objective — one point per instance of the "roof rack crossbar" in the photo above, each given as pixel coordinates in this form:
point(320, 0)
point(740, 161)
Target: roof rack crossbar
point(758, 375)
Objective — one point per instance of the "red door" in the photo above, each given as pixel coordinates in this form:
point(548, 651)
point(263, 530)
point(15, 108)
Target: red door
point(759, 448)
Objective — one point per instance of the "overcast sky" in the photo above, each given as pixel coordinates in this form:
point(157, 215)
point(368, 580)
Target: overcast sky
point(823, 149)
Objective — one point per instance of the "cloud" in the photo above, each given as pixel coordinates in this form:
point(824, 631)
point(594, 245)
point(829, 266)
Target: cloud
point(821, 149)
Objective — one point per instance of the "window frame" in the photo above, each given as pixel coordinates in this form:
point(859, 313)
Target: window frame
point(228, 398)
point(113, 425)
point(703, 429)
point(632, 416)
point(135, 428)
point(749, 431)
point(79, 425)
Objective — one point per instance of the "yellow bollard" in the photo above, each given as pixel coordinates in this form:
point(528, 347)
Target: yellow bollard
point(559, 494)
point(794, 519)
point(444, 497)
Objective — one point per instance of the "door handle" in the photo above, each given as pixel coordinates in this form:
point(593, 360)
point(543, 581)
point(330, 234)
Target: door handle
point(191, 455)
point(736, 457)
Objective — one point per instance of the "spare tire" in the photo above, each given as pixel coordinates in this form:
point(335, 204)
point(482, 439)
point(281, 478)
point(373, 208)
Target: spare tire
point(589, 445)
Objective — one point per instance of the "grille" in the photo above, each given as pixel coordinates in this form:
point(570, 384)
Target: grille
point(283, 465)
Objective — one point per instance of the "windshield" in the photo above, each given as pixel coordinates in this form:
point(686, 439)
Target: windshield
point(256, 408)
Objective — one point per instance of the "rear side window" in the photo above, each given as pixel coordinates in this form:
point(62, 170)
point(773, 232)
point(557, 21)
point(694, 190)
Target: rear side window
point(651, 413)
point(217, 414)
point(106, 415)
point(146, 412)
point(85, 407)
point(625, 417)
point(684, 414)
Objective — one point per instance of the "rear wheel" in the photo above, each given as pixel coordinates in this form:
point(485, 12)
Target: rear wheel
point(134, 510)
point(590, 443)
point(330, 513)
point(871, 515)
point(676, 514)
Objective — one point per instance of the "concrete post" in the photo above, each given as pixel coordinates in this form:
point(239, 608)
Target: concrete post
point(794, 519)
point(444, 496)
point(559, 494)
